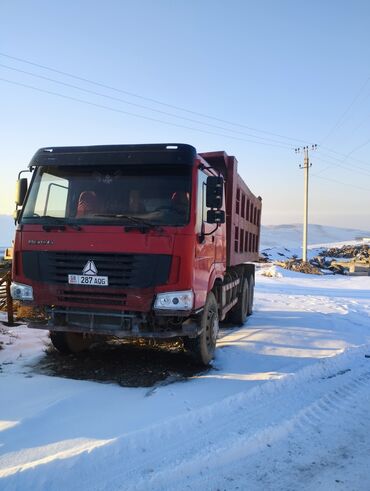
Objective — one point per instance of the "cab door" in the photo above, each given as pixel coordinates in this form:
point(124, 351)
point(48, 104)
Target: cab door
point(205, 244)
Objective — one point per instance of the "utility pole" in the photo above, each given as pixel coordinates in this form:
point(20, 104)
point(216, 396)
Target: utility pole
point(306, 166)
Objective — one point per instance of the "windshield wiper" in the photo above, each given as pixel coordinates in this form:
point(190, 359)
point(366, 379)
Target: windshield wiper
point(62, 227)
point(59, 223)
point(136, 220)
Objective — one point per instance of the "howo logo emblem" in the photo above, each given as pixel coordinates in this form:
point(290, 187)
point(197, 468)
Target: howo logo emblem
point(90, 269)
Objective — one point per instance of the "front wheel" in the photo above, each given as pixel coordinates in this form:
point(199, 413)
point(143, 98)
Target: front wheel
point(202, 348)
point(70, 342)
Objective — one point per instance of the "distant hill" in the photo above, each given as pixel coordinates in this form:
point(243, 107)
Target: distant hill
point(6, 230)
point(291, 235)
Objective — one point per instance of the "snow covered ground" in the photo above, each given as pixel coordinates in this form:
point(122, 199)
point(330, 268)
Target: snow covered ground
point(285, 406)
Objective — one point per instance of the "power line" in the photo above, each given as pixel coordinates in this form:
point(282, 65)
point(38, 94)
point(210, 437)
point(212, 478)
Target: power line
point(346, 167)
point(340, 162)
point(343, 158)
point(118, 99)
point(149, 99)
point(340, 182)
point(358, 147)
point(357, 127)
point(102, 106)
point(343, 155)
point(342, 117)
point(281, 144)
point(350, 163)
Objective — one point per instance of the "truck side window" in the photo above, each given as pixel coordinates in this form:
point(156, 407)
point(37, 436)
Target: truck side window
point(52, 196)
point(201, 200)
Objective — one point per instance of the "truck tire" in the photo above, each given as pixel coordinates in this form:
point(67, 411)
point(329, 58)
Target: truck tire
point(238, 315)
point(202, 348)
point(59, 342)
point(251, 295)
point(69, 342)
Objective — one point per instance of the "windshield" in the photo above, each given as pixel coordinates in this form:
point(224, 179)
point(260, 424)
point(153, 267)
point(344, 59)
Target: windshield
point(151, 195)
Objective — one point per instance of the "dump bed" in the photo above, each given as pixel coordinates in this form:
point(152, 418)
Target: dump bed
point(243, 211)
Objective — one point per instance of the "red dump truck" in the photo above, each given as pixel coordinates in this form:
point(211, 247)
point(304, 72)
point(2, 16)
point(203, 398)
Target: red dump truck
point(135, 241)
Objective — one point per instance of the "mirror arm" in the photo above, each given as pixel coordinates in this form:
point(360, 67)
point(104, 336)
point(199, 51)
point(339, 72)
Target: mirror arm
point(212, 231)
point(202, 167)
point(202, 235)
point(217, 171)
point(23, 171)
point(16, 215)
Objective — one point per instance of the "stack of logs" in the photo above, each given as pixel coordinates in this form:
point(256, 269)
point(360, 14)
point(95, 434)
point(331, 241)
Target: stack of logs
point(326, 260)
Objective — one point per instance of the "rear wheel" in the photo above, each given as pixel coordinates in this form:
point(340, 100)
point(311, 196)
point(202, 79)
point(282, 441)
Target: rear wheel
point(238, 315)
point(202, 348)
point(70, 342)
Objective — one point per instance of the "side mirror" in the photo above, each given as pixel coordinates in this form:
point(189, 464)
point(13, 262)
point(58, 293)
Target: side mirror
point(216, 216)
point(21, 186)
point(215, 192)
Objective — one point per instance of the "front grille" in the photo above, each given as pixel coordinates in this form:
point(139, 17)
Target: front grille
point(123, 270)
point(91, 297)
point(91, 319)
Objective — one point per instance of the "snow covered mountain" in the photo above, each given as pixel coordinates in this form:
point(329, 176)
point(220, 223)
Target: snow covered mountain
point(290, 235)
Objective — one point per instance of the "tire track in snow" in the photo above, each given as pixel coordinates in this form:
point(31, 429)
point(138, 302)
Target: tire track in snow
point(228, 450)
point(163, 455)
point(320, 453)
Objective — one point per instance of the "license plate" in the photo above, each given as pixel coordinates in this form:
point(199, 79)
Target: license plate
point(88, 280)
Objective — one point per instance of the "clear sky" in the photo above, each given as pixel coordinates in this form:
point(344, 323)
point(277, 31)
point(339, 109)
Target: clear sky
point(276, 69)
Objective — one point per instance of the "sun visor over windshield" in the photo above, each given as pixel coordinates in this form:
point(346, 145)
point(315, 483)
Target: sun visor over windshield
point(115, 155)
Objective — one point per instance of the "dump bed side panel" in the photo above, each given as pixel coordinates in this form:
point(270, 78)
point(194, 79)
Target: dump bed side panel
point(243, 211)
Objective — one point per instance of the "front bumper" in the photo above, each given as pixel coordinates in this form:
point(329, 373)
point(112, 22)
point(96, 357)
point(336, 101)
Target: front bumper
point(120, 325)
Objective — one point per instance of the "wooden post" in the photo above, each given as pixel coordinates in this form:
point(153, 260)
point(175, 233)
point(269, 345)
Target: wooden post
point(9, 300)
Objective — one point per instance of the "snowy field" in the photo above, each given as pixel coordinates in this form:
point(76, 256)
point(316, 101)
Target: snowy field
point(285, 406)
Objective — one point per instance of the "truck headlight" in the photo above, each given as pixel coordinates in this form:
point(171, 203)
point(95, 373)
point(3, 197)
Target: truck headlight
point(18, 291)
point(174, 301)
